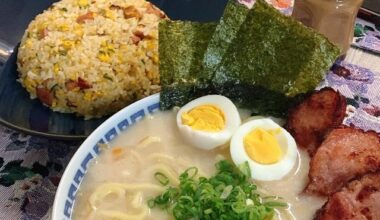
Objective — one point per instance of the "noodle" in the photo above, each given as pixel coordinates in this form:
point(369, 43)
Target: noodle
point(136, 156)
point(147, 141)
point(119, 189)
point(170, 160)
point(136, 202)
point(160, 157)
point(117, 215)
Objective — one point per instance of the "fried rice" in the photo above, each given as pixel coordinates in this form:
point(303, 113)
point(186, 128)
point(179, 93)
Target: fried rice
point(91, 57)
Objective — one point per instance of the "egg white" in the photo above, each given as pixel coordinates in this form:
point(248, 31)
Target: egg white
point(265, 172)
point(210, 140)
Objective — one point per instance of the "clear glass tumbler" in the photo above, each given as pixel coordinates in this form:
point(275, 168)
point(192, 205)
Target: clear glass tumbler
point(333, 18)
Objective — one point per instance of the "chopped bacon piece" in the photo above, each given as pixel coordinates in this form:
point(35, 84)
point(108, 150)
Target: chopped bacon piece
point(345, 154)
point(88, 16)
point(42, 33)
point(151, 9)
point(115, 7)
point(70, 85)
point(45, 95)
point(135, 39)
point(360, 199)
point(310, 121)
point(139, 34)
point(83, 84)
point(70, 103)
point(131, 12)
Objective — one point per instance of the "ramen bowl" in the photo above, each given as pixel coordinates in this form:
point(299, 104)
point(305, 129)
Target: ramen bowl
point(105, 133)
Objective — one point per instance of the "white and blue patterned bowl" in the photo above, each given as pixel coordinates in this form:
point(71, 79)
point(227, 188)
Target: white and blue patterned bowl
point(106, 132)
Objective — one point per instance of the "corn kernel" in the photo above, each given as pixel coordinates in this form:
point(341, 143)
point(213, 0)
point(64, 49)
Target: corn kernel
point(104, 57)
point(63, 27)
point(110, 48)
point(29, 84)
point(56, 68)
point(83, 3)
point(28, 43)
point(68, 44)
point(155, 59)
point(98, 94)
point(109, 14)
point(54, 103)
point(87, 96)
point(151, 45)
point(78, 30)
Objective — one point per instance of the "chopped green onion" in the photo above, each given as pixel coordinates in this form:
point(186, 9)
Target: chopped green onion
point(207, 211)
point(55, 86)
point(226, 192)
point(190, 173)
point(162, 178)
point(239, 207)
point(151, 203)
point(244, 168)
point(106, 76)
point(275, 204)
point(229, 194)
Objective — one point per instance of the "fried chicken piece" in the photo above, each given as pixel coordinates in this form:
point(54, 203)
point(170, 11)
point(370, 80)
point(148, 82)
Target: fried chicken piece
point(359, 200)
point(310, 121)
point(346, 153)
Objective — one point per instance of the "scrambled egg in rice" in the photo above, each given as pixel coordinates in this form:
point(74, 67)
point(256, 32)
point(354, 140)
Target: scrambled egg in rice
point(91, 57)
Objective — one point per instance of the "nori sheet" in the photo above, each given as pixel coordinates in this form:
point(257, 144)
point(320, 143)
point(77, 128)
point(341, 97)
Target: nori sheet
point(225, 32)
point(269, 65)
point(181, 48)
point(275, 52)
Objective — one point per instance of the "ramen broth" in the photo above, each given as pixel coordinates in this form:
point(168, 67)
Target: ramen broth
point(118, 185)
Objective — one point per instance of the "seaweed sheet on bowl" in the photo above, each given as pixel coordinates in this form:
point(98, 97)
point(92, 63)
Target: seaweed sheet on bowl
point(182, 45)
point(276, 52)
point(225, 32)
point(266, 64)
point(190, 52)
point(272, 59)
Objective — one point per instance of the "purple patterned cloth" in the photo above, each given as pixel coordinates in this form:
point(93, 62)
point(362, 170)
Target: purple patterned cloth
point(31, 167)
point(30, 170)
point(367, 35)
point(361, 87)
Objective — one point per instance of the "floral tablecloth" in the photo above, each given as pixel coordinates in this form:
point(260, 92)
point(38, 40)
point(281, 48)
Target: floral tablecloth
point(30, 170)
point(31, 167)
point(367, 35)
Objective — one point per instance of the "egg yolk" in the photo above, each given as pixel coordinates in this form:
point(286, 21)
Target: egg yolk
point(262, 146)
point(208, 118)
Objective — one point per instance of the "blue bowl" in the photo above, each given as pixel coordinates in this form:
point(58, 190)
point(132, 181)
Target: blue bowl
point(105, 133)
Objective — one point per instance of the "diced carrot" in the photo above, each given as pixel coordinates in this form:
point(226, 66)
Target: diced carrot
point(117, 152)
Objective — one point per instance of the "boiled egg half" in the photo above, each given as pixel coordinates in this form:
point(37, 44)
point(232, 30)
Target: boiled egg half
point(270, 150)
point(209, 121)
